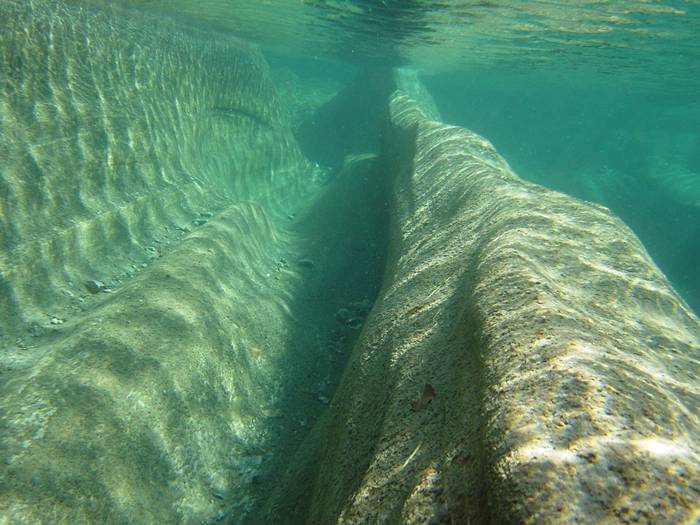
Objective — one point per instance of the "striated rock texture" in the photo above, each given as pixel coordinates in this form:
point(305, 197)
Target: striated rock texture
point(153, 407)
point(114, 130)
point(565, 369)
point(155, 164)
point(176, 302)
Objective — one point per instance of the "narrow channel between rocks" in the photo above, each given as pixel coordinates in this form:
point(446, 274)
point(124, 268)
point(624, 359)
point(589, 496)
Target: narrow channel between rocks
point(226, 303)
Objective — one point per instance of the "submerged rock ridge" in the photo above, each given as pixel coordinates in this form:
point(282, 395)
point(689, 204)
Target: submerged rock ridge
point(150, 408)
point(118, 131)
point(148, 177)
point(563, 369)
point(181, 292)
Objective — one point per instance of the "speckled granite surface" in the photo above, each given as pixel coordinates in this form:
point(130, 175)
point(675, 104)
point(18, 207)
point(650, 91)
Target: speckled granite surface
point(566, 370)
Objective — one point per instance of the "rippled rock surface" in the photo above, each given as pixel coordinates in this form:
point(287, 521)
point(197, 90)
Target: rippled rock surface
point(200, 326)
point(565, 369)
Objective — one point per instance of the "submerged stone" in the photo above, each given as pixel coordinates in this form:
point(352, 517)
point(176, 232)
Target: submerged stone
point(532, 313)
point(126, 417)
point(343, 315)
point(93, 286)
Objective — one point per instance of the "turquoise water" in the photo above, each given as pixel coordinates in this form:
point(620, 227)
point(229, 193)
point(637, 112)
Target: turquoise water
point(234, 290)
point(596, 99)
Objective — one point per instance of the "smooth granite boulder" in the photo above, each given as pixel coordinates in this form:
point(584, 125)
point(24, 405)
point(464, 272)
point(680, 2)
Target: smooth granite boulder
point(525, 362)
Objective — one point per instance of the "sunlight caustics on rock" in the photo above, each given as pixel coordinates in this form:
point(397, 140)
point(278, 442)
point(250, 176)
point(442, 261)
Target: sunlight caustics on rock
point(224, 302)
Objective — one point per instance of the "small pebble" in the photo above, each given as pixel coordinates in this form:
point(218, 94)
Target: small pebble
point(56, 320)
point(199, 222)
point(94, 286)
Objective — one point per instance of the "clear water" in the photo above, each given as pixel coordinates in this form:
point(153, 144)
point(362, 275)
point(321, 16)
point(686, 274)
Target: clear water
point(600, 100)
point(113, 156)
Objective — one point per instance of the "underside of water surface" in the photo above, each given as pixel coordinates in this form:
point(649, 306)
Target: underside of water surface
point(349, 262)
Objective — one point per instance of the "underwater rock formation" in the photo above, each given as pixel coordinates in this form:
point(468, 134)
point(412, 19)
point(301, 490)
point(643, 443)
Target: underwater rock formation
point(565, 368)
point(350, 122)
point(116, 131)
point(147, 177)
point(180, 293)
point(149, 408)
